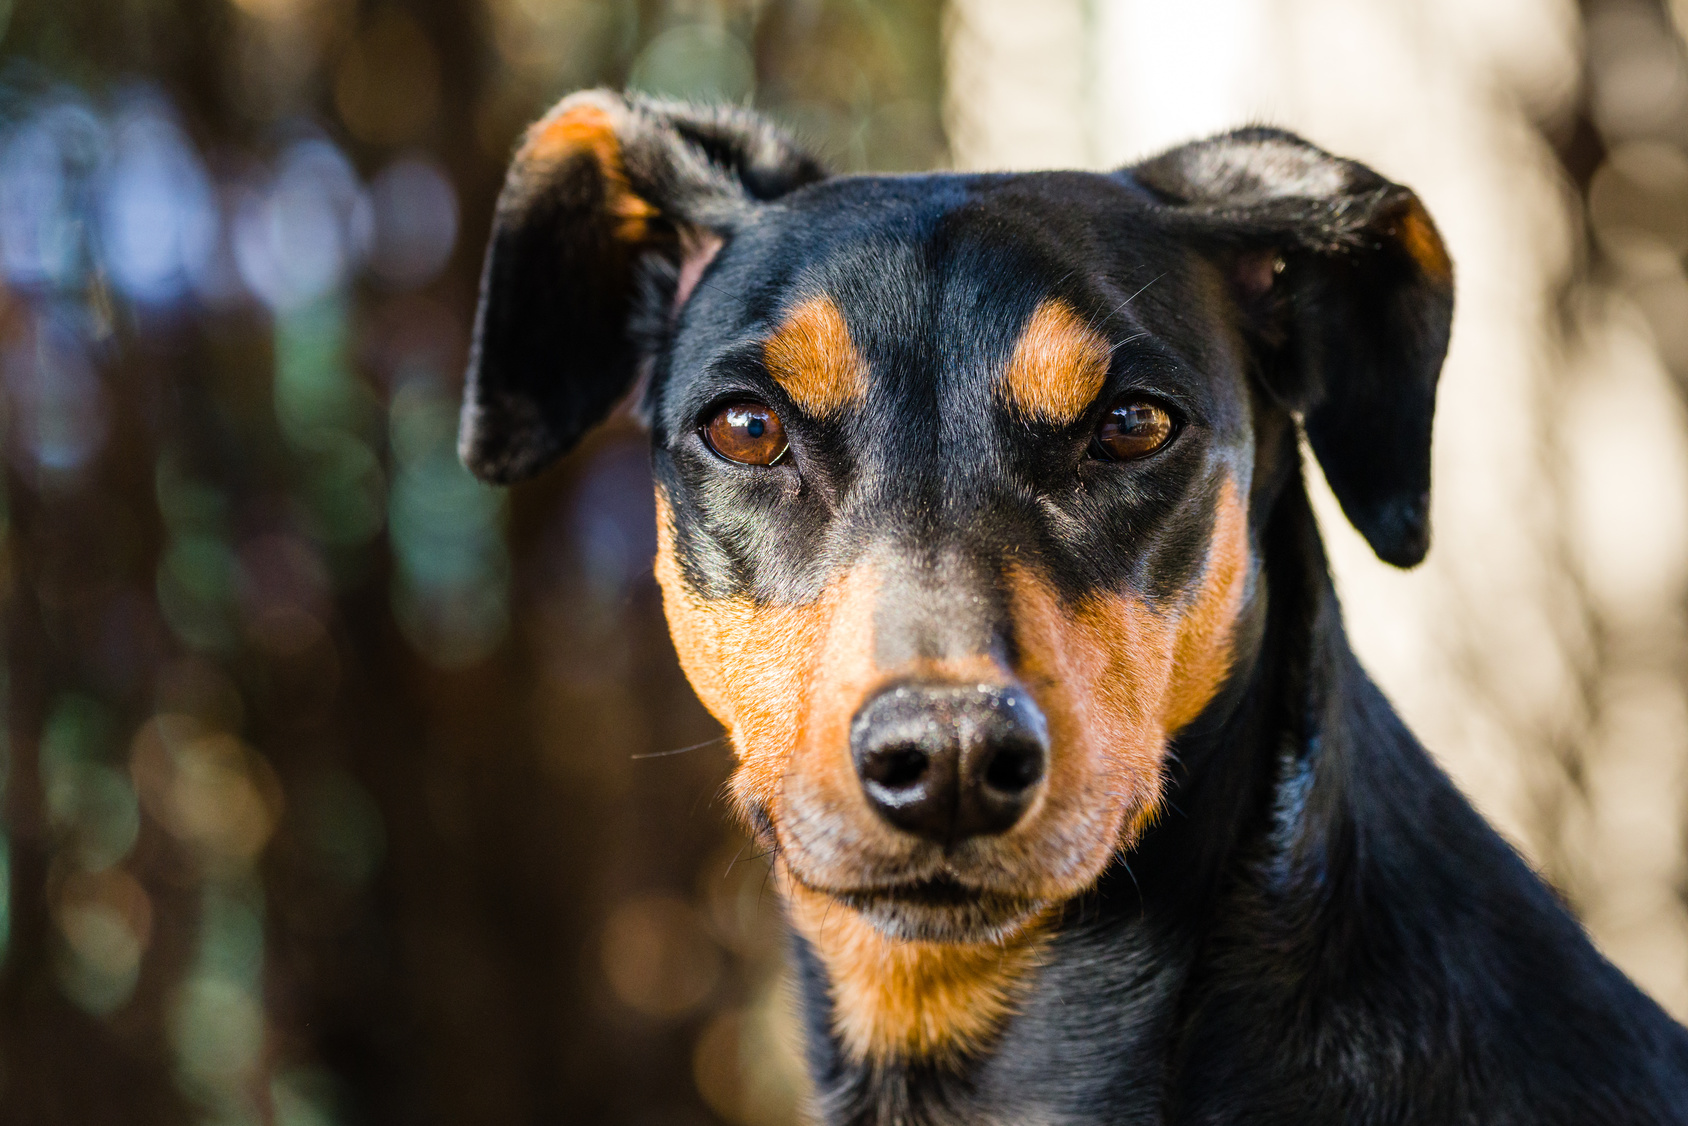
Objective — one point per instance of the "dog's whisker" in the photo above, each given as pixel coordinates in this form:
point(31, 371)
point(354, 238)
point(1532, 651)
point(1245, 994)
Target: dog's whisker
point(679, 750)
point(1132, 339)
point(735, 859)
point(1144, 289)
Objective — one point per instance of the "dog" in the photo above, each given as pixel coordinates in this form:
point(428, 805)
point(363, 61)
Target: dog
point(984, 534)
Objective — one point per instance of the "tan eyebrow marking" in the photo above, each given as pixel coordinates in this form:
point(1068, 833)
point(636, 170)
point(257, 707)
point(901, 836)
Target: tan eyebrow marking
point(1058, 366)
point(812, 356)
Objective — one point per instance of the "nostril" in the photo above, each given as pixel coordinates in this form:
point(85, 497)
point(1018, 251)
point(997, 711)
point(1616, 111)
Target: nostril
point(1014, 768)
point(895, 768)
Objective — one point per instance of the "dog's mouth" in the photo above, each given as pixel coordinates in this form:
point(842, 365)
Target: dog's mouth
point(939, 909)
point(936, 891)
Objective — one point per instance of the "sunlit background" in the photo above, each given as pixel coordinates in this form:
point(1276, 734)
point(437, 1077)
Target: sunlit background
point(339, 789)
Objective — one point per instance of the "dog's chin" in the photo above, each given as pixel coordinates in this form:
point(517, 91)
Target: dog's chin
point(940, 911)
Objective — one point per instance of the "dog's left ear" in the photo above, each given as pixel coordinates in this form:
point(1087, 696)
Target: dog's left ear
point(1348, 293)
point(611, 211)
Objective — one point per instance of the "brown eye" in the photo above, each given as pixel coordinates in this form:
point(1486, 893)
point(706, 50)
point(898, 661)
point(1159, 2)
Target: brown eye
point(748, 433)
point(1134, 428)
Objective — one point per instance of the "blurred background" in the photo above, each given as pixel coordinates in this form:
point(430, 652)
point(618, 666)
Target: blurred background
point(337, 789)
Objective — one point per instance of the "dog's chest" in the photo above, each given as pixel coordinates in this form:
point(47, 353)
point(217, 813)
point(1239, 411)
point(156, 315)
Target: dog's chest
point(1086, 1047)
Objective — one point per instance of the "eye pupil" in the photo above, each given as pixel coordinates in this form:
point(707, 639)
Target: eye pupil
point(1133, 428)
point(748, 433)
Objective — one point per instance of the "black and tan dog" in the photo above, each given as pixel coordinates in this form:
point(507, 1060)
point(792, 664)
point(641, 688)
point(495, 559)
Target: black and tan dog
point(983, 532)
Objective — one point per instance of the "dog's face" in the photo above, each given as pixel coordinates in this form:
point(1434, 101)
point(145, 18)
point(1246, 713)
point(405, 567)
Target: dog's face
point(953, 494)
point(957, 475)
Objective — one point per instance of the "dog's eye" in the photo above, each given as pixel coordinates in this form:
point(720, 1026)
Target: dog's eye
point(748, 433)
point(1134, 427)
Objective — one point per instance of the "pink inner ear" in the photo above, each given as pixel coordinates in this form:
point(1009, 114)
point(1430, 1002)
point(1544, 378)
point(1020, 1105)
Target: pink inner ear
point(697, 251)
point(1254, 272)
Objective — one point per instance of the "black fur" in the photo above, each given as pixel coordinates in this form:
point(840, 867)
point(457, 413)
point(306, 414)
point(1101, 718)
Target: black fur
point(560, 294)
point(1367, 396)
point(1319, 929)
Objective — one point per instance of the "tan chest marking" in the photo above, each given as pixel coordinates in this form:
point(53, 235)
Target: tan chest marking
point(929, 1001)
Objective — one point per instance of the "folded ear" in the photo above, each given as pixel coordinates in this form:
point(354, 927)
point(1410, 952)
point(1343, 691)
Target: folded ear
point(610, 212)
point(1349, 295)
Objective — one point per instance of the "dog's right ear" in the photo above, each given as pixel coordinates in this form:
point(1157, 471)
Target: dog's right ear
point(1350, 297)
point(611, 201)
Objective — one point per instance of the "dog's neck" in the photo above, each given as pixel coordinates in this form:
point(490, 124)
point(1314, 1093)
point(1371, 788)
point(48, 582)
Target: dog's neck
point(1099, 1015)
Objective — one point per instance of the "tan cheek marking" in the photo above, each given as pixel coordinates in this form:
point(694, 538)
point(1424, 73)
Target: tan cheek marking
point(589, 129)
point(1058, 366)
point(1417, 233)
point(1117, 678)
point(784, 680)
point(1202, 652)
point(1099, 670)
point(821, 780)
point(749, 664)
point(895, 1000)
point(812, 357)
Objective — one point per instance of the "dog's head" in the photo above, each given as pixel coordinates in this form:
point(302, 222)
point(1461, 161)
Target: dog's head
point(959, 477)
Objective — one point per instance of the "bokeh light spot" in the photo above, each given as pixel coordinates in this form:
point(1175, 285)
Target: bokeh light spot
point(748, 1062)
point(218, 1028)
point(105, 921)
point(206, 788)
point(387, 87)
point(303, 1097)
point(658, 956)
point(45, 163)
point(57, 405)
point(341, 826)
point(299, 235)
point(695, 60)
point(158, 212)
point(415, 221)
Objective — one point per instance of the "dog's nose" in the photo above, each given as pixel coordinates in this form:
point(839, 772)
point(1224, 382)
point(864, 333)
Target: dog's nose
point(947, 762)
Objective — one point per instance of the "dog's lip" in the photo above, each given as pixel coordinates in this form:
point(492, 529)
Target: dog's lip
point(936, 891)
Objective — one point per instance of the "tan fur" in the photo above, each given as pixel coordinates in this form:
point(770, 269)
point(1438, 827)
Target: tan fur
point(913, 1000)
point(587, 128)
point(1058, 366)
point(812, 357)
point(1201, 655)
point(1115, 678)
point(1417, 234)
point(756, 668)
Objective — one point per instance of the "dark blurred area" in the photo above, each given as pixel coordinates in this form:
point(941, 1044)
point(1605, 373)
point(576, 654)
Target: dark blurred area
point(338, 787)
